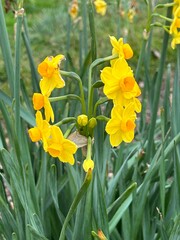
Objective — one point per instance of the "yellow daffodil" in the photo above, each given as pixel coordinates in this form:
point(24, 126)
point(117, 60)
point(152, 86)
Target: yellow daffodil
point(131, 13)
point(119, 83)
point(121, 125)
point(122, 49)
point(41, 131)
point(41, 100)
point(101, 6)
point(82, 120)
point(88, 164)
point(50, 72)
point(60, 147)
point(73, 9)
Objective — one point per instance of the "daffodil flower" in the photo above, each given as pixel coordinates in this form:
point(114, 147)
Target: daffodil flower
point(73, 9)
point(119, 83)
point(41, 131)
point(100, 6)
point(121, 125)
point(41, 100)
point(122, 49)
point(60, 147)
point(50, 73)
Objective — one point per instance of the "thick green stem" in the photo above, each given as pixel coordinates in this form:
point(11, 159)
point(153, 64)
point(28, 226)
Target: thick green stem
point(76, 201)
point(17, 69)
point(90, 87)
point(76, 77)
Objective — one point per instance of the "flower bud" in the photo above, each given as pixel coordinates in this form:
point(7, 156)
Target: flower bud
point(82, 120)
point(92, 122)
point(88, 164)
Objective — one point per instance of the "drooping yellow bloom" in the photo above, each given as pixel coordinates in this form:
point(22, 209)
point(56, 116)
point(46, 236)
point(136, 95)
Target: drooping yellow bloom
point(73, 9)
point(60, 147)
point(50, 72)
point(88, 164)
point(122, 49)
point(121, 125)
point(101, 6)
point(41, 131)
point(40, 101)
point(119, 84)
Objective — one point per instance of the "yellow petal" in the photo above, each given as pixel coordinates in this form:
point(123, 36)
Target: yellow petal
point(128, 136)
point(38, 101)
point(121, 69)
point(116, 139)
point(49, 114)
point(106, 74)
point(128, 52)
point(35, 134)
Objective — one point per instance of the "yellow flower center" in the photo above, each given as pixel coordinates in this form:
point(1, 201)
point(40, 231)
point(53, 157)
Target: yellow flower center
point(127, 84)
point(46, 69)
point(128, 125)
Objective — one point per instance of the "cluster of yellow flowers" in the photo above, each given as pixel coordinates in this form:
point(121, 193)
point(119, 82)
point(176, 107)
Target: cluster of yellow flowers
point(100, 6)
point(121, 87)
point(51, 135)
point(175, 26)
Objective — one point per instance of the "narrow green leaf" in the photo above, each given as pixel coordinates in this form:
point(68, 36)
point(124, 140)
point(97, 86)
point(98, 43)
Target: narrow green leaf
point(6, 50)
point(35, 233)
point(114, 221)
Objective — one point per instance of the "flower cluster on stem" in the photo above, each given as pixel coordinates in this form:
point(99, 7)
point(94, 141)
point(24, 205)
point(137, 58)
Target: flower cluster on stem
point(120, 86)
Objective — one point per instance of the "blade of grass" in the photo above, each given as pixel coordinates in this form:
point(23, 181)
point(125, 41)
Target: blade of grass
point(6, 50)
point(17, 70)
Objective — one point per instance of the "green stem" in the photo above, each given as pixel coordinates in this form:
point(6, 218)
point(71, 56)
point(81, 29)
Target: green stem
point(68, 131)
point(66, 120)
point(89, 148)
point(76, 201)
point(156, 94)
point(76, 77)
point(90, 88)
point(162, 16)
point(99, 102)
point(102, 118)
point(17, 69)
point(141, 57)
point(65, 97)
point(164, 5)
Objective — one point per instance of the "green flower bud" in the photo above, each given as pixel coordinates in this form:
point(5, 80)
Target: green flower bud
point(92, 122)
